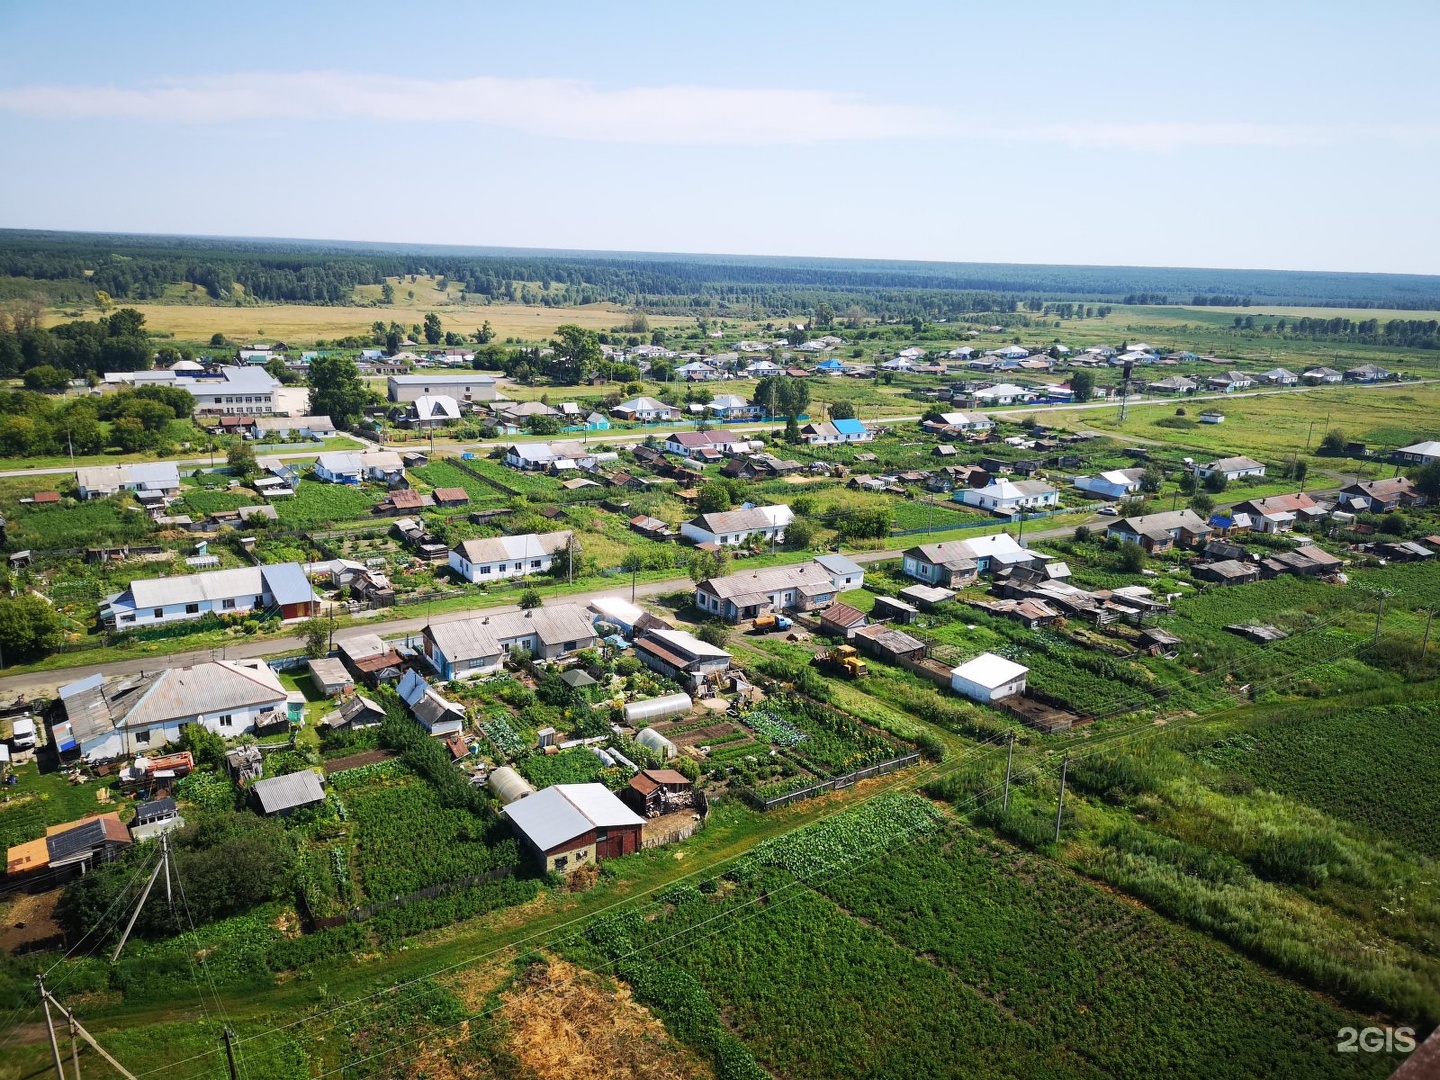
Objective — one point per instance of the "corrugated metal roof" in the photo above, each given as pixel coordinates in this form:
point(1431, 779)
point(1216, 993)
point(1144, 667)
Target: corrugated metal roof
point(287, 792)
point(990, 671)
point(512, 548)
point(558, 814)
point(213, 688)
point(287, 583)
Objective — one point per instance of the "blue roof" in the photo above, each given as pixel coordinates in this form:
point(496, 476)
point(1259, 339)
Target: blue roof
point(849, 427)
point(288, 584)
point(829, 365)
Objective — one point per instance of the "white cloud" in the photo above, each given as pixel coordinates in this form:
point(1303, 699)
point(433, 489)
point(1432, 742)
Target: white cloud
point(561, 108)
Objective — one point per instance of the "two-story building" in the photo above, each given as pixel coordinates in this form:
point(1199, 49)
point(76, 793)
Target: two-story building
point(460, 385)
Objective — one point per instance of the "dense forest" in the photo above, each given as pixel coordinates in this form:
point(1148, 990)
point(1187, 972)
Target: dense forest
point(72, 266)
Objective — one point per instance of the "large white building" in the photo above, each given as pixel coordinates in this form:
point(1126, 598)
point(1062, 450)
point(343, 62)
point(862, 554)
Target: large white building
point(460, 385)
point(138, 714)
point(500, 557)
point(464, 648)
point(239, 391)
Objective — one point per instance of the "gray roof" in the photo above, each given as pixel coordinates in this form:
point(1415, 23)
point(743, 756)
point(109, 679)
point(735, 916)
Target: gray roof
point(508, 548)
point(438, 378)
point(838, 564)
point(733, 521)
point(294, 423)
point(1233, 464)
point(286, 582)
point(484, 635)
point(95, 707)
point(558, 814)
point(287, 792)
point(762, 582)
point(154, 474)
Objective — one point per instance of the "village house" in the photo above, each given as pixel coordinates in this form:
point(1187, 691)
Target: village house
point(104, 719)
point(1163, 531)
point(247, 391)
point(731, 407)
point(1232, 468)
point(567, 826)
point(499, 557)
point(266, 428)
point(1005, 496)
point(680, 656)
point(845, 574)
point(1229, 382)
point(1279, 377)
point(1421, 453)
point(438, 715)
point(281, 588)
point(371, 659)
point(1116, 484)
point(464, 648)
point(833, 432)
point(1172, 384)
point(354, 467)
point(1367, 373)
point(645, 410)
point(958, 562)
point(433, 410)
point(458, 385)
point(1278, 513)
point(731, 528)
point(1386, 495)
point(1317, 376)
point(752, 593)
point(99, 481)
point(1004, 394)
point(693, 444)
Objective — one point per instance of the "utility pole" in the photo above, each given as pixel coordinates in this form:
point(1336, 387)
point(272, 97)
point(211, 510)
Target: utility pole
point(1425, 645)
point(74, 1050)
point(162, 864)
point(229, 1037)
point(1009, 760)
point(49, 1001)
point(1379, 613)
point(50, 1026)
point(1060, 810)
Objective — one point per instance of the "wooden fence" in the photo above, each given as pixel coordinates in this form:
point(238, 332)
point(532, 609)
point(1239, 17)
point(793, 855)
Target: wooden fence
point(837, 783)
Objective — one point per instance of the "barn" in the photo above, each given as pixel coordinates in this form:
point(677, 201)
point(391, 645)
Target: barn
point(658, 791)
point(989, 678)
point(571, 825)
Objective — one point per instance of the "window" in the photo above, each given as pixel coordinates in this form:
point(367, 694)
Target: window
point(228, 603)
point(535, 564)
point(227, 720)
point(192, 609)
point(601, 835)
point(159, 613)
point(561, 862)
point(142, 738)
point(484, 569)
point(127, 618)
point(569, 647)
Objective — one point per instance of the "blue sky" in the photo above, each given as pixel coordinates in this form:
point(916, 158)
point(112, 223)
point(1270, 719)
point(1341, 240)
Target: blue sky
point(1252, 135)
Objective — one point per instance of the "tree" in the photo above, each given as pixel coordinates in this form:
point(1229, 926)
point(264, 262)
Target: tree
point(317, 638)
point(46, 377)
point(281, 372)
point(1082, 384)
point(336, 390)
point(130, 435)
point(842, 410)
point(29, 628)
point(1082, 534)
point(1427, 479)
point(531, 598)
point(1151, 479)
point(713, 499)
point(792, 430)
point(1216, 482)
point(392, 342)
point(1131, 558)
point(433, 332)
point(799, 535)
point(714, 633)
point(1333, 444)
point(824, 317)
point(241, 460)
point(1302, 470)
point(387, 293)
point(577, 354)
point(103, 300)
point(1202, 504)
point(484, 335)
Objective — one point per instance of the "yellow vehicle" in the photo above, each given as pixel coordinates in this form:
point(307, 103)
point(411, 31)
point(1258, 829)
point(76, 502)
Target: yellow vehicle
point(844, 661)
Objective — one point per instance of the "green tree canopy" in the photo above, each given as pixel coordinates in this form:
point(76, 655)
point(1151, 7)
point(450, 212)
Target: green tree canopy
point(336, 390)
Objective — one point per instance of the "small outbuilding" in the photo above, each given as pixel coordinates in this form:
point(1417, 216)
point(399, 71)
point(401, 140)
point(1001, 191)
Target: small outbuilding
point(653, 740)
point(283, 795)
point(989, 678)
point(508, 786)
point(329, 676)
point(648, 710)
point(568, 826)
point(652, 792)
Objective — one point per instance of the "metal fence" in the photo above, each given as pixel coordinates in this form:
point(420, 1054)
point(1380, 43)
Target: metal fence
point(837, 783)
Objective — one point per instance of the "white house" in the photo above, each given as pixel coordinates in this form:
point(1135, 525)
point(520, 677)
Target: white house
point(248, 391)
point(1421, 453)
point(1004, 394)
point(697, 371)
point(645, 410)
point(731, 528)
point(1003, 495)
point(353, 466)
point(1116, 484)
point(533, 456)
point(762, 368)
point(1232, 468)
point(1322, 375)
point(989, 678)
point(750, 593)
point(465, 648)
point(734, 407)
point(282, 587)
point(137, 714)
point(311, 427)
point(500, 557)
point(957, 562)
point(1279, 377)
point(428, 410)
point(845, 574)
point(1012, 352)
point(962, 421)
point(98, 481)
